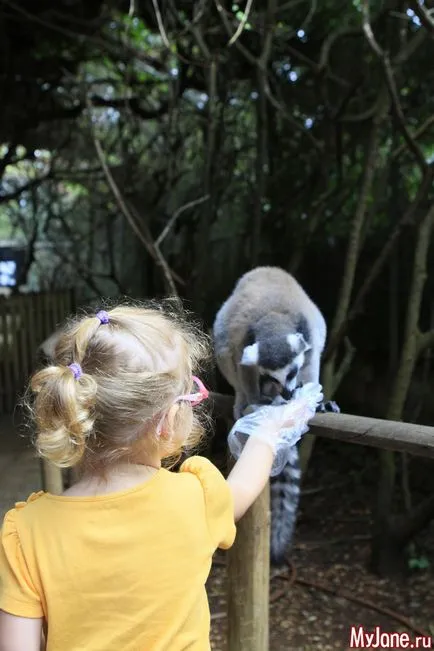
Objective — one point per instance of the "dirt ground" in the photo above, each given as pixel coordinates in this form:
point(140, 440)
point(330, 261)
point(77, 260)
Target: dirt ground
point(20, 472)
point(330, 553)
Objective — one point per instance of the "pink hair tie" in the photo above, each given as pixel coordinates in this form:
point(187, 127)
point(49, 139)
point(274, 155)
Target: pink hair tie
point(76, 370)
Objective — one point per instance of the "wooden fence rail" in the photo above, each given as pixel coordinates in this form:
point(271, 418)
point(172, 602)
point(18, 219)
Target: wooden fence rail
point(376, 433)
point(25, 321)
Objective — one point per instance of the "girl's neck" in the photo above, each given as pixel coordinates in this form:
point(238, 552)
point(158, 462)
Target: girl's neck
point(117, 478)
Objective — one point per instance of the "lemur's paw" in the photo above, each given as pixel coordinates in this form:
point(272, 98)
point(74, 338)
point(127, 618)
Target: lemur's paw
point(329, 406)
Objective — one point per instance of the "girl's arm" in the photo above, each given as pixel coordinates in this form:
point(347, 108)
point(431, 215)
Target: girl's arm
point(20, 633)
point(266, 432)
point(250, 475)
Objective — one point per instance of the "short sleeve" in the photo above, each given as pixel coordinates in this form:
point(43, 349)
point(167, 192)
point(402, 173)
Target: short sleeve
point(18, 595)
point(218, 500)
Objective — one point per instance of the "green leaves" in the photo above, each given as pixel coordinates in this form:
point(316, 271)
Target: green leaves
point(420, 563)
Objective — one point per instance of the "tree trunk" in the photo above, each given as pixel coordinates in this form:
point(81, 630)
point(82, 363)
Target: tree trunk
point(385, 531)
point(388, 557)
point(261, 168)
point(352, 257)
point(207, 213)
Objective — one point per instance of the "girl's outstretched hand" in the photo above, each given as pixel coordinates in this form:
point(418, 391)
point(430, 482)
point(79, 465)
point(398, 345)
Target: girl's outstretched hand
point(278, 426)
point(262, 442)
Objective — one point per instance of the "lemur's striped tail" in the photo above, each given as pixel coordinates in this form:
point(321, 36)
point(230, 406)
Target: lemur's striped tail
point(284, 499)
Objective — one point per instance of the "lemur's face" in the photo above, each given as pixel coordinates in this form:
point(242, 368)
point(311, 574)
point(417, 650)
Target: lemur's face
point(279, 382)
point(278, 361)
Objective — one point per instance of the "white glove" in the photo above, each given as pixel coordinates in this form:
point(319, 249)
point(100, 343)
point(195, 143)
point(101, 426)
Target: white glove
point(279, 426)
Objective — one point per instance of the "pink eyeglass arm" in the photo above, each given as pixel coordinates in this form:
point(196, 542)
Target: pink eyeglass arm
point(195, 398)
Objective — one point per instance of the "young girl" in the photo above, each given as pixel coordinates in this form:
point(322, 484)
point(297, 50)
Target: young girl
point(119, 561)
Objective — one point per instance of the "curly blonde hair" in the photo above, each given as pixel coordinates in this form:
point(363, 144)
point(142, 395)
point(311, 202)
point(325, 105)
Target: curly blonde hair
point(133, 368)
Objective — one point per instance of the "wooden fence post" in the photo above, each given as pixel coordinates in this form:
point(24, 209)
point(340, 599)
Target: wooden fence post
point(249, 579)
point(52, 478)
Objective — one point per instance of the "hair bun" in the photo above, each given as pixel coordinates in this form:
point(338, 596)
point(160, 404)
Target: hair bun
point(64, 413)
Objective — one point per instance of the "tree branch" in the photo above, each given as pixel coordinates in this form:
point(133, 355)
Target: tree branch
point(104, 44)
point(410, 48)
point(313, 222)
point(242, 24)
point(390, 80)
point(210, 141)
point(353, 250)
point(133, 103)
point(410, 344)
point(82, 272)
point(160, 24)
point(152, 249)
point(160, 260)
point(381, 260)
point(331, 40)
point(344, 365)
point(417, 134)
point(404, 529)
point(368, 30)
point(397, 109)
point(170, 224)
point(7, 158)
point(110, 250)
point(424, 15)
point(34, 183)
point(261, 158)
point(425, 340)
point(254, 61)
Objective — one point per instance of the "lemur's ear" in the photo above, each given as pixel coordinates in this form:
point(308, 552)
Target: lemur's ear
point(250, 355)
point(297, 343)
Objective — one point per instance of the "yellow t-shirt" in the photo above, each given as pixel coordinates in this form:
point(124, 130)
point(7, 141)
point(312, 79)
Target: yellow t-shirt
point(124, 571)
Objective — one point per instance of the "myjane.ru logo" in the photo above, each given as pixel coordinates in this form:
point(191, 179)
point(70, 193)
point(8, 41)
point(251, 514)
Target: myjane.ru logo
point(360, 638)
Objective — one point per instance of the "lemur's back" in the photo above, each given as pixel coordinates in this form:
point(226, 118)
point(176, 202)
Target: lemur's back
point(269, 293)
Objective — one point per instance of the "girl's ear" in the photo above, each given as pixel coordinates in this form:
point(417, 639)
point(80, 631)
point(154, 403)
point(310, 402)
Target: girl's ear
point(168, 425)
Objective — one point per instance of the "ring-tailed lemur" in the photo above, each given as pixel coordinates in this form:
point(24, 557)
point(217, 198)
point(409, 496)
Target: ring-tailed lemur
point(268, 339)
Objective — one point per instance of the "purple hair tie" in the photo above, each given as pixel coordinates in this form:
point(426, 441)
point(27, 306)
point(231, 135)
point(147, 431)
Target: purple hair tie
point(76, 370)
point(102, 316)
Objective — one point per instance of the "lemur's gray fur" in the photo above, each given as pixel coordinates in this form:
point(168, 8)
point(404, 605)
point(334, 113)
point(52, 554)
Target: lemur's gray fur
point(268, 339)
point(46, 351)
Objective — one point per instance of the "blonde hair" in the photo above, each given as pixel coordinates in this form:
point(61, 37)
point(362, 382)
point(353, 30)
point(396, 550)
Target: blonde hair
point(133, 368)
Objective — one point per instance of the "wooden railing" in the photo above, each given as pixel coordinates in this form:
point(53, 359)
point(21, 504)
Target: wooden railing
point(26, 320)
